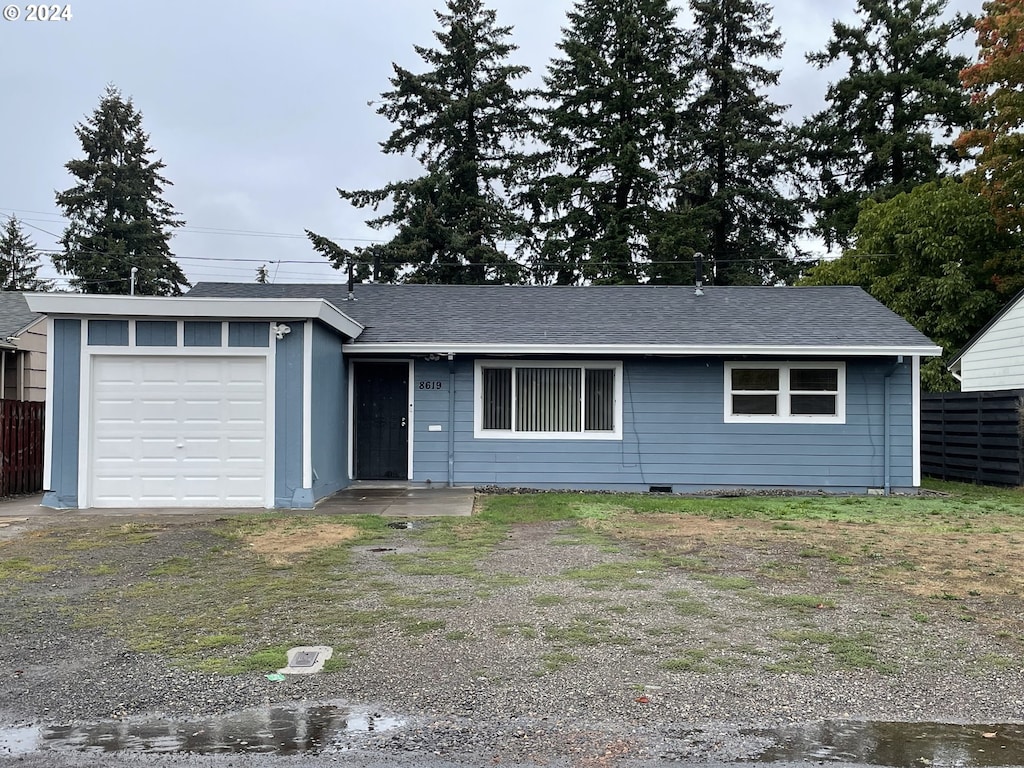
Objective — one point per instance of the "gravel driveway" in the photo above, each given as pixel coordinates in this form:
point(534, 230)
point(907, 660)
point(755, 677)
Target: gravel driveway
point(553, 654)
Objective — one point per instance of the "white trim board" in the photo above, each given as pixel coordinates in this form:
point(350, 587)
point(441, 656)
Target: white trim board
point(666, 350)
point(145, 307)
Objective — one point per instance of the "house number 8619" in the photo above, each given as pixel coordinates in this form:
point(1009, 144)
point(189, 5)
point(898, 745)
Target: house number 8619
point(430, 385)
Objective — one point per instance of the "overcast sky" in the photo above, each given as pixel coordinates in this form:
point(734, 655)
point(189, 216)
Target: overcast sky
point(259, 109)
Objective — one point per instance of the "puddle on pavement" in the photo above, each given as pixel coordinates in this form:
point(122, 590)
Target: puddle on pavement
point(901, 745)
point(19, 740)
point(279, 730)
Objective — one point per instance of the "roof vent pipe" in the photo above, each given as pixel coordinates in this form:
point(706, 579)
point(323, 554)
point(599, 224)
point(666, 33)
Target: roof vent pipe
point(698, 271)
point(351, 292)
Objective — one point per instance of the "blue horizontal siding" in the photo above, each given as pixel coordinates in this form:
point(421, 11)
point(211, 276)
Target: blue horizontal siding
point(674, 433)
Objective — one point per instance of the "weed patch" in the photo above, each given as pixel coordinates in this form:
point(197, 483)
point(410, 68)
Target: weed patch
point(847, 651)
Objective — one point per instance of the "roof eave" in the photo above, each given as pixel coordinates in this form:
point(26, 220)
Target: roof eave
point(677, 350)
point(83, 305)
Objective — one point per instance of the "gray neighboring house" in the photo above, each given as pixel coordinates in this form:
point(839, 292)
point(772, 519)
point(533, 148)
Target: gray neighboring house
point(280, 395)
point(22, 349)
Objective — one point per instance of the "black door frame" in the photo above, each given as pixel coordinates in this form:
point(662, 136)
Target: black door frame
point(352, 364)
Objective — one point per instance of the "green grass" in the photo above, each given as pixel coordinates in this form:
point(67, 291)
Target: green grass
point(635, 574)
point(175, 566)
point(684, 604)
point(847, 651)
point(692, 660)
point(526, 631)
point(725, 583)
point(548, 601)
point(964, 504)
point(799, 603)
point(555, 660)
point(416, 627)
point(217, 606)
point(585, 631)
point(23, 569)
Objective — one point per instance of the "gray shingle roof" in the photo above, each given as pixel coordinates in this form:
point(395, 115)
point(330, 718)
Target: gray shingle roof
point(15, 315)
point(648, 315)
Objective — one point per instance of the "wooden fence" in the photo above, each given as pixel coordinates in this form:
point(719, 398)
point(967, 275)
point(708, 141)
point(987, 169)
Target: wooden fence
point(21, 447)
point(973, 436)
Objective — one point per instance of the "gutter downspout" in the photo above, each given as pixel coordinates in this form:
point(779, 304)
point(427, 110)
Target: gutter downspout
point(886, 421)
point(451, 420)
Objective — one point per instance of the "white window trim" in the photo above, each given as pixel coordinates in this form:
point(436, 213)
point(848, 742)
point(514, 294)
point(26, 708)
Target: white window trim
point(511, 434)
point(784, 416)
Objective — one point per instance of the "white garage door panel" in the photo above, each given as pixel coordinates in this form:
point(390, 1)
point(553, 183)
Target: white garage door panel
point(179, 431)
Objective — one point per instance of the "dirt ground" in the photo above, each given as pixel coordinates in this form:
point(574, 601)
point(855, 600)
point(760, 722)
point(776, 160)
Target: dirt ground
point(612, 641)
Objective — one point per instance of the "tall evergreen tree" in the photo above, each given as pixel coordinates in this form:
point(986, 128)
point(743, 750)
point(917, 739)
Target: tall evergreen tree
point(118, 218)
point(613, 99)
point(996, 83)
point(462, 120)
point(890, 119)
point(737, 179)
point(19, 260)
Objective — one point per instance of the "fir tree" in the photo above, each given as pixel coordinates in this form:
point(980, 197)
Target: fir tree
point(19, 261)
point(461, 119)
point(118, 218)
point(612, 103)
point(889, 120)
point(734, 150)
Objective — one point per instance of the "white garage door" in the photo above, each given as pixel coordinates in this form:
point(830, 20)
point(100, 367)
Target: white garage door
point(178, 431)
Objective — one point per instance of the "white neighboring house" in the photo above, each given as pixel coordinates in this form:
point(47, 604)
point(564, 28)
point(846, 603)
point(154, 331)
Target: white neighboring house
point(22, 349)
point(994, 359)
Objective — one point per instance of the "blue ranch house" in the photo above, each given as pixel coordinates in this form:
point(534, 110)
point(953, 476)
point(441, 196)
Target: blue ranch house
point(248, 395)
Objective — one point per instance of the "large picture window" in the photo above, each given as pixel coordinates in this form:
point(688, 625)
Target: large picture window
point(767, 392)
point(548, 400)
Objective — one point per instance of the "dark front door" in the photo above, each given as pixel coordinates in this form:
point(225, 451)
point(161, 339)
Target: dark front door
point(381, 416)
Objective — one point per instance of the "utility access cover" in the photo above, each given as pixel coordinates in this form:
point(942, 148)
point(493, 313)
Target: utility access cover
point(304, 659)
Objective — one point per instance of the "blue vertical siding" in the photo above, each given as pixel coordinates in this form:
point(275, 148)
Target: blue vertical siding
point(108, 333)
point(330, 414)
point(674, 434)
point(64, 414)
point(248, 334)
point(202, 333)
point(156, 333)
point(288, 490)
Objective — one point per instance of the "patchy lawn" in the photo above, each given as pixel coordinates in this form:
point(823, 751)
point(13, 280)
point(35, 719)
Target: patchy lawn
point(696, 585)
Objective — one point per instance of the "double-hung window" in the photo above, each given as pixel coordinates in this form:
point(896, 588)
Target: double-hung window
point(548, 400)
point(797, 392)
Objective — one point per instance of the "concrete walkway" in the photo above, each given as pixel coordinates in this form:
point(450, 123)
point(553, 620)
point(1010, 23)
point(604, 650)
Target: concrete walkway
point(397, 501)
point(400, 502)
